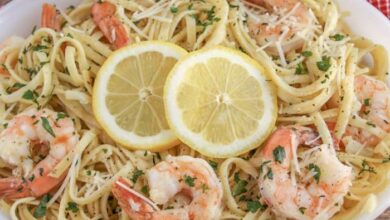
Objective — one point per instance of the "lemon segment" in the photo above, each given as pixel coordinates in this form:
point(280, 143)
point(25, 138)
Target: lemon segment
point(220, 102)
point(128, 95)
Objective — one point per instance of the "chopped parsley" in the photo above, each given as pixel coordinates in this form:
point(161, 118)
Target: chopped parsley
point(89, 172)
point(34, 29)
point(31, 178)
point(316, 171)
point(31, 95)
point(40, 211)
point(270, 174)
point(174, 9)
point(370, 124)
point(366, 102)
point(366, 168)
point(72, 206)
point(279, 154)
point(324, 64)
point(301, 69)
point(39, 47)
point(253, 206)
point(136, 174)
point(105, 150)
point(337, 37)
point(189, 180)
point(213, 164)
point(47, 127)
point(61, 115)
point(307, 53)
point(145, 190)
point(239, 186)
point(302, 210)
point(211, 18)
point(15, 86)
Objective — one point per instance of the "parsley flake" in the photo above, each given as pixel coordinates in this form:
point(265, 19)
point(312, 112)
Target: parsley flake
point(337, 37)
point(47, 127)
point(72, 206)
point(324, 64)
point(307, 53)
point(40, 211)
point(136, 174)
point(279, 154)
point(316, 171)
point(189, 180)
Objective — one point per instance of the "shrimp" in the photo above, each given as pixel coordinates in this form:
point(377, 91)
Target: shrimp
point(184, 175)
point(287, 23)
point(374, 95)
point(321, 183)
point(42, 136)
point(111, 27)
point(50, 17)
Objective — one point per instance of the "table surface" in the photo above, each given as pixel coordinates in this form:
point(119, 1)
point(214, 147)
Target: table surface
point(384, 216)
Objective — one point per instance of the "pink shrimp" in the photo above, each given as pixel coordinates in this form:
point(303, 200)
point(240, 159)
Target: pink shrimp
point(103, 15)
point(28, 138)
point(50, 17)
point(293, 20)
point(310, 189)
point(186, 175)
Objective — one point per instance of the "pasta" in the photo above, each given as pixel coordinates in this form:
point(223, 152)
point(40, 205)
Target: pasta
point(56, 70)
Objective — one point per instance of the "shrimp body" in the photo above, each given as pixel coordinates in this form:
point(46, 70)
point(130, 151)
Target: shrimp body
point(188, 176)
point(286, 22)
point(103, 15)
point(305, 189)
point(34, 136)
point(50, 17)
point(374, 95)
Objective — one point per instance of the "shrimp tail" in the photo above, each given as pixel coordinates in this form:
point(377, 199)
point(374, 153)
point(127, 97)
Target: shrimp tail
point(13, 188)
point(50, 18)
point(132, 203)
point(111, 27)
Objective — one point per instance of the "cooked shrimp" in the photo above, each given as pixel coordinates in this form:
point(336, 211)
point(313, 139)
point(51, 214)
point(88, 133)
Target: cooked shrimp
point(103, 15)
point(286, 23)
point(374, 95)
point(184, 175)
point(43, 136)
point(50, 17)
point(316, 191)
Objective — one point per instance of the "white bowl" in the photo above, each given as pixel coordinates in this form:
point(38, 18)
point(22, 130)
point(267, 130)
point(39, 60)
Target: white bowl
point(20, 16)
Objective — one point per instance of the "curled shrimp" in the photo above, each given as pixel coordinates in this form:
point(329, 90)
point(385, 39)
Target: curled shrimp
point(50, 17)
point(42, 136)
point(188, 176)
point(286, 22)
point(305, 189)
point(103, 15)
point(374, 95)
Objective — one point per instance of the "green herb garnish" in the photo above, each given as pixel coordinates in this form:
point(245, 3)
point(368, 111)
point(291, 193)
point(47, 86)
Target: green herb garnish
point(47, 127)
point(279, 154)
point(316, 171)
point(324, 64)
point(72, 206)
point(40, 211)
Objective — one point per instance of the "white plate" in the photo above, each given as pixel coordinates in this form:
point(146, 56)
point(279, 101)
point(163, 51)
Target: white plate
point(20, 16)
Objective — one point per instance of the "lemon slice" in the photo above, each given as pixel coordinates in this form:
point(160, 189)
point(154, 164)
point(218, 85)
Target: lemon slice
point(128, 95)
point(219, 102)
